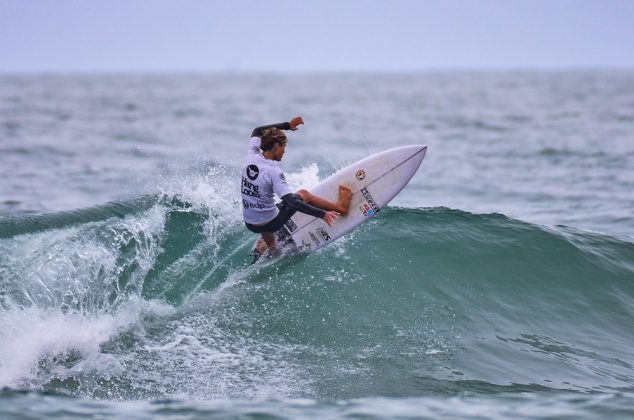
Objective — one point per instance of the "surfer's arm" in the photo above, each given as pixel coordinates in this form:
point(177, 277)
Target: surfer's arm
point(257, 132)
point(296, 202)
point(292, 125)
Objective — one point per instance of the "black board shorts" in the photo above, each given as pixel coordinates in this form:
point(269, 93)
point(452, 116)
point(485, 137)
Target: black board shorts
point(286, 212)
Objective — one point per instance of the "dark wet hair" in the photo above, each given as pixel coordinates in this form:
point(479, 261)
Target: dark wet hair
point(270, 136)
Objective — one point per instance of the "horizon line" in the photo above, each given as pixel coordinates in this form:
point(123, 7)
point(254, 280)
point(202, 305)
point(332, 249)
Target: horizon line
point(448, 69)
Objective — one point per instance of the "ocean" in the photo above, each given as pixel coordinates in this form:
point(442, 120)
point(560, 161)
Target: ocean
point(498, 284)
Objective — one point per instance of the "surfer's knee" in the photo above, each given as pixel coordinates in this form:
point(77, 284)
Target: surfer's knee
point(306, 195)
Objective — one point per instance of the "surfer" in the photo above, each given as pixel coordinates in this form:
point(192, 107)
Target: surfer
point(262, 179)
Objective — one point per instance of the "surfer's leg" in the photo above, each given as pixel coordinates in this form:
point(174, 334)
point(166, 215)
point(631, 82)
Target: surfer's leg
point(266, 242)
point(260, 246)
point(341, 206)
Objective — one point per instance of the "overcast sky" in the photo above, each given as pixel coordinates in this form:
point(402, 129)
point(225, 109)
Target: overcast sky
point(303, 35)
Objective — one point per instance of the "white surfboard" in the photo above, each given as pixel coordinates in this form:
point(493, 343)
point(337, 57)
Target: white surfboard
point(374, 182)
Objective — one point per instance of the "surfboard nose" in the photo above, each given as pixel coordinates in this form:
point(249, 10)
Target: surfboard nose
point(413, 155)
point(417, 148)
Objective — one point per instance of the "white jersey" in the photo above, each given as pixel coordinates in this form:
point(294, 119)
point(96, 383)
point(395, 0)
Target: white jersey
point(262, 179)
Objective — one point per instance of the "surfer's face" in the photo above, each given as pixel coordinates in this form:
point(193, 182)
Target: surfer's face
point(278, 150)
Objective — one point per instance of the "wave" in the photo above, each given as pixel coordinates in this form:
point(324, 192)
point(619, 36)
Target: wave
point(426, 296)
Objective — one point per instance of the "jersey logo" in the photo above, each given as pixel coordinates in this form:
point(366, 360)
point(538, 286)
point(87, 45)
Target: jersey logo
point(253, 172)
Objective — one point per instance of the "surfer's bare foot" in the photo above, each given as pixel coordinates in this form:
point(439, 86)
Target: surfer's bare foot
point(345, 195)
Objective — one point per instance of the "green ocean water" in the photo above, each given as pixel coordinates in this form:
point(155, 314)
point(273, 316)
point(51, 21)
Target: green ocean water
point(499, 284)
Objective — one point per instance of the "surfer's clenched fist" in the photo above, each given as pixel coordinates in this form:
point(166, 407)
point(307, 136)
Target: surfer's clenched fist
point(295, 122)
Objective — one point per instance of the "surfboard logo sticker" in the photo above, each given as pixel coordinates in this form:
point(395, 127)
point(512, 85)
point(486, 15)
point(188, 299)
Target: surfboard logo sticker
point(290, 225)
point(366, 210)
point(360, 175)
point(369, 208)
point(323, 233)
point(305, 246)
point(315, 239)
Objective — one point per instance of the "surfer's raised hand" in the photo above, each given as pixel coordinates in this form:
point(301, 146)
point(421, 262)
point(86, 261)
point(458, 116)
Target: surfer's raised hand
point(295, 122)
point(331, 217)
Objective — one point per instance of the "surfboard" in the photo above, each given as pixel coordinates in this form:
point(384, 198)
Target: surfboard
point(374, 182)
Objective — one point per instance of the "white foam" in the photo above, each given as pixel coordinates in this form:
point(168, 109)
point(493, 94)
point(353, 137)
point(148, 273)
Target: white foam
point(30, 335)
point(307, 177)
point(214, 189)
point(217, 189)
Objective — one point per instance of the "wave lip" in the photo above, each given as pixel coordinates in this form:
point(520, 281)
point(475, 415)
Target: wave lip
point(19, 225)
